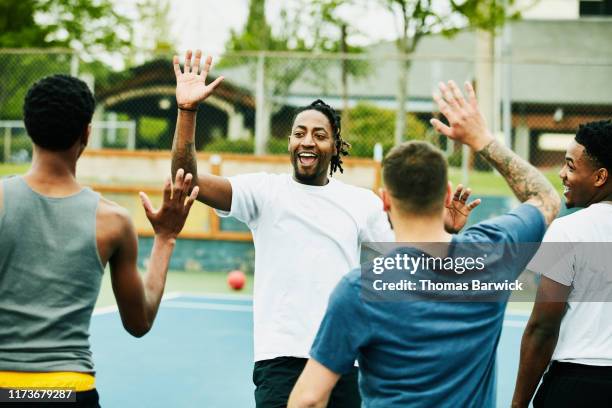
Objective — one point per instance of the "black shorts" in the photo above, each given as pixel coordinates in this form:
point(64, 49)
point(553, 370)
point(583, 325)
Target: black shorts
point(274, 379)
point(84, 399)
point(575, 385)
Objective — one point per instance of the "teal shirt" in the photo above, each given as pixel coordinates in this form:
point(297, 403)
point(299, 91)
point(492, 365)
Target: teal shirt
point(50, 274)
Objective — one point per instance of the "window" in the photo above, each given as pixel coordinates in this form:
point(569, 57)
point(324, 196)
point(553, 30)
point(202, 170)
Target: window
point(590, 8)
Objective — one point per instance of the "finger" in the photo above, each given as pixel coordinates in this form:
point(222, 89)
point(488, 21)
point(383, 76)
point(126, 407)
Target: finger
point(215, 83)
point(474, 204)
point(191, 199)
point(167, 191)
point(177, 66)
point(441, 128)
point(469, 90)
point(206, 67)
point(188, 61)
point(443, 106)
point(458, 192)
point(196, 62)
point(186, 186)
point(465, 195)
point(447, 94)
point(146, 203)
point(178, 184)
point(458, 96)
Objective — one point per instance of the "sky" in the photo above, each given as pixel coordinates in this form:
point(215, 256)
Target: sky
point(207, 23)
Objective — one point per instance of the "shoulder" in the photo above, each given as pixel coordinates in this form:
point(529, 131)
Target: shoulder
point(525, 223)
point(363, 197)
point(112, 215)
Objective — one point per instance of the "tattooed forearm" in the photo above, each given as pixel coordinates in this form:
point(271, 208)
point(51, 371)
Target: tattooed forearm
point(184, 157)
point(526, 181)
point(183, 146)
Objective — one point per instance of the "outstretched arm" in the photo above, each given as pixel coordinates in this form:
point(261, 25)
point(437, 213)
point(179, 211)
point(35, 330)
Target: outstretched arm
point(138, 297)
point(468, 126)
point(191, 89)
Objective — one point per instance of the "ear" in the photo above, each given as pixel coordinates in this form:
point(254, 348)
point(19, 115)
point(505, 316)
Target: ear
point(449, 194)
point(289, 143)
point(386, 199)
point(601, 177)
point(86, 134)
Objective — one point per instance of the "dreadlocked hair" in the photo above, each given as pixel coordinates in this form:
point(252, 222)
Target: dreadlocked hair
point(342, 146)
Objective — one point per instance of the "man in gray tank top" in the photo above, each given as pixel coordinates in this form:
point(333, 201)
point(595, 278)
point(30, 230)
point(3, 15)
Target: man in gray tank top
point(56, 238)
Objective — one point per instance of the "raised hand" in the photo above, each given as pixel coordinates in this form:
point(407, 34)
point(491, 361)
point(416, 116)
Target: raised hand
point(169, 220)
point(458, 210)
point(191, 87)
point(467, 125)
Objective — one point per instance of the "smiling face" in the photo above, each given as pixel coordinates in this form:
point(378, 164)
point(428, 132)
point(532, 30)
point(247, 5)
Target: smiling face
point(311, 146)
point(580, 178)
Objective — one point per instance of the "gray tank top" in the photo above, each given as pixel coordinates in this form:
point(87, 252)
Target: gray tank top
point(50, 274)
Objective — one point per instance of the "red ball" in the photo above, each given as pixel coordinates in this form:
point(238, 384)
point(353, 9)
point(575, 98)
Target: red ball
point(236, 279)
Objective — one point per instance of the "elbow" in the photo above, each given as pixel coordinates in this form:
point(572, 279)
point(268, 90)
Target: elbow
point(139, 330)
point(305, 401)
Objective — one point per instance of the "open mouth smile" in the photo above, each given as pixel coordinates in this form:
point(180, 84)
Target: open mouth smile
point(307, 158)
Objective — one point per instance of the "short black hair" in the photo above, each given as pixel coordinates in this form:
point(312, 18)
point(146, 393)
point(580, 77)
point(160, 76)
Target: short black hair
point(596, 137)
point(416, 174)
point(56, 111)
point(342, 146)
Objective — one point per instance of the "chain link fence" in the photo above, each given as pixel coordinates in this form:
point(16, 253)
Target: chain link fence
point(537, 105)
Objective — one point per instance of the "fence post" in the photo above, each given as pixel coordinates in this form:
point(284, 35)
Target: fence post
point(7, 144)
point(74, 65)
point(260, 102)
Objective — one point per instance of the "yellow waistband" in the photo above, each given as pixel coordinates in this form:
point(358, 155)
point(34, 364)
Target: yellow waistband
point(59, 379)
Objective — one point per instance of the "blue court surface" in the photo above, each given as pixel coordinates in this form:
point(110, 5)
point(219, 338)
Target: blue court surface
point(200, 354)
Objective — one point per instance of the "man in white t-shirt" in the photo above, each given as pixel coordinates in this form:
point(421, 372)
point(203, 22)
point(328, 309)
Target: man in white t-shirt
point(307, 230)
point(571, 321)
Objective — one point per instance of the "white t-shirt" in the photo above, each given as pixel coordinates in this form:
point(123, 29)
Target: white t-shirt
point(582, 259)
point(306, 238)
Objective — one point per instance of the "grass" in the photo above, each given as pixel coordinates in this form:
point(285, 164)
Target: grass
point(181, 281)
point(492, 183)
point(9, 169)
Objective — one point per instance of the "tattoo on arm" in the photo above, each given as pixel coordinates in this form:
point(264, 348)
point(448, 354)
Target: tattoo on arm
point(184, 157)
point(526, 181)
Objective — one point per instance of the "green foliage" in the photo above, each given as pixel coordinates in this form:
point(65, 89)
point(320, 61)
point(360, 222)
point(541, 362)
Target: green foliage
point(152, 132)
point(231, 146)
point(17, 26)
point(370, 124)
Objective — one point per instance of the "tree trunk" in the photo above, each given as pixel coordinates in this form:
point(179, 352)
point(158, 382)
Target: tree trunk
point(344, 79)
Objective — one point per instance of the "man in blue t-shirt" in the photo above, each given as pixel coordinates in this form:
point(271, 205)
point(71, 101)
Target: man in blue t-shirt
point(424, 352)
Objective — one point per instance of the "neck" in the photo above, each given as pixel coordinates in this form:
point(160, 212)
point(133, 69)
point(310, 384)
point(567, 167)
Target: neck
point(53, 172)
point(420, 228)
point(316, 181)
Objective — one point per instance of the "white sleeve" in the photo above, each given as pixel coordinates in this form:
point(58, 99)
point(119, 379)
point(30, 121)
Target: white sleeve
point(377, 228)
point(556, 256)
point(248, 197)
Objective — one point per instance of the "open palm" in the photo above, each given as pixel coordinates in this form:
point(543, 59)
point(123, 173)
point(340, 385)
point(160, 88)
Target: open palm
point(191, 87)
point(458, 210)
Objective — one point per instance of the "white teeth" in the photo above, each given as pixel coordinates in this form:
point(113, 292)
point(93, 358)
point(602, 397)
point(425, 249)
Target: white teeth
point(307, 155)
point(566, 189)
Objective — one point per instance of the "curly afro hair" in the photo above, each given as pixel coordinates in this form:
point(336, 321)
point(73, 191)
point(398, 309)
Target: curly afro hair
point(596, 137)
point(56, 111)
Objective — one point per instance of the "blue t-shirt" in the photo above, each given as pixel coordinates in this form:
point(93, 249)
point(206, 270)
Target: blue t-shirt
point(426, 353)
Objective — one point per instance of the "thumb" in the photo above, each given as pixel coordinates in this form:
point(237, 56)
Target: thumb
point(146, 203)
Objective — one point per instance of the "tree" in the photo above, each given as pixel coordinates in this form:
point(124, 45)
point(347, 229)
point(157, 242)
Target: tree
point(331, 33)
point(313, 26)
point(91, 26)
point(257, 35)
point(419, 18)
